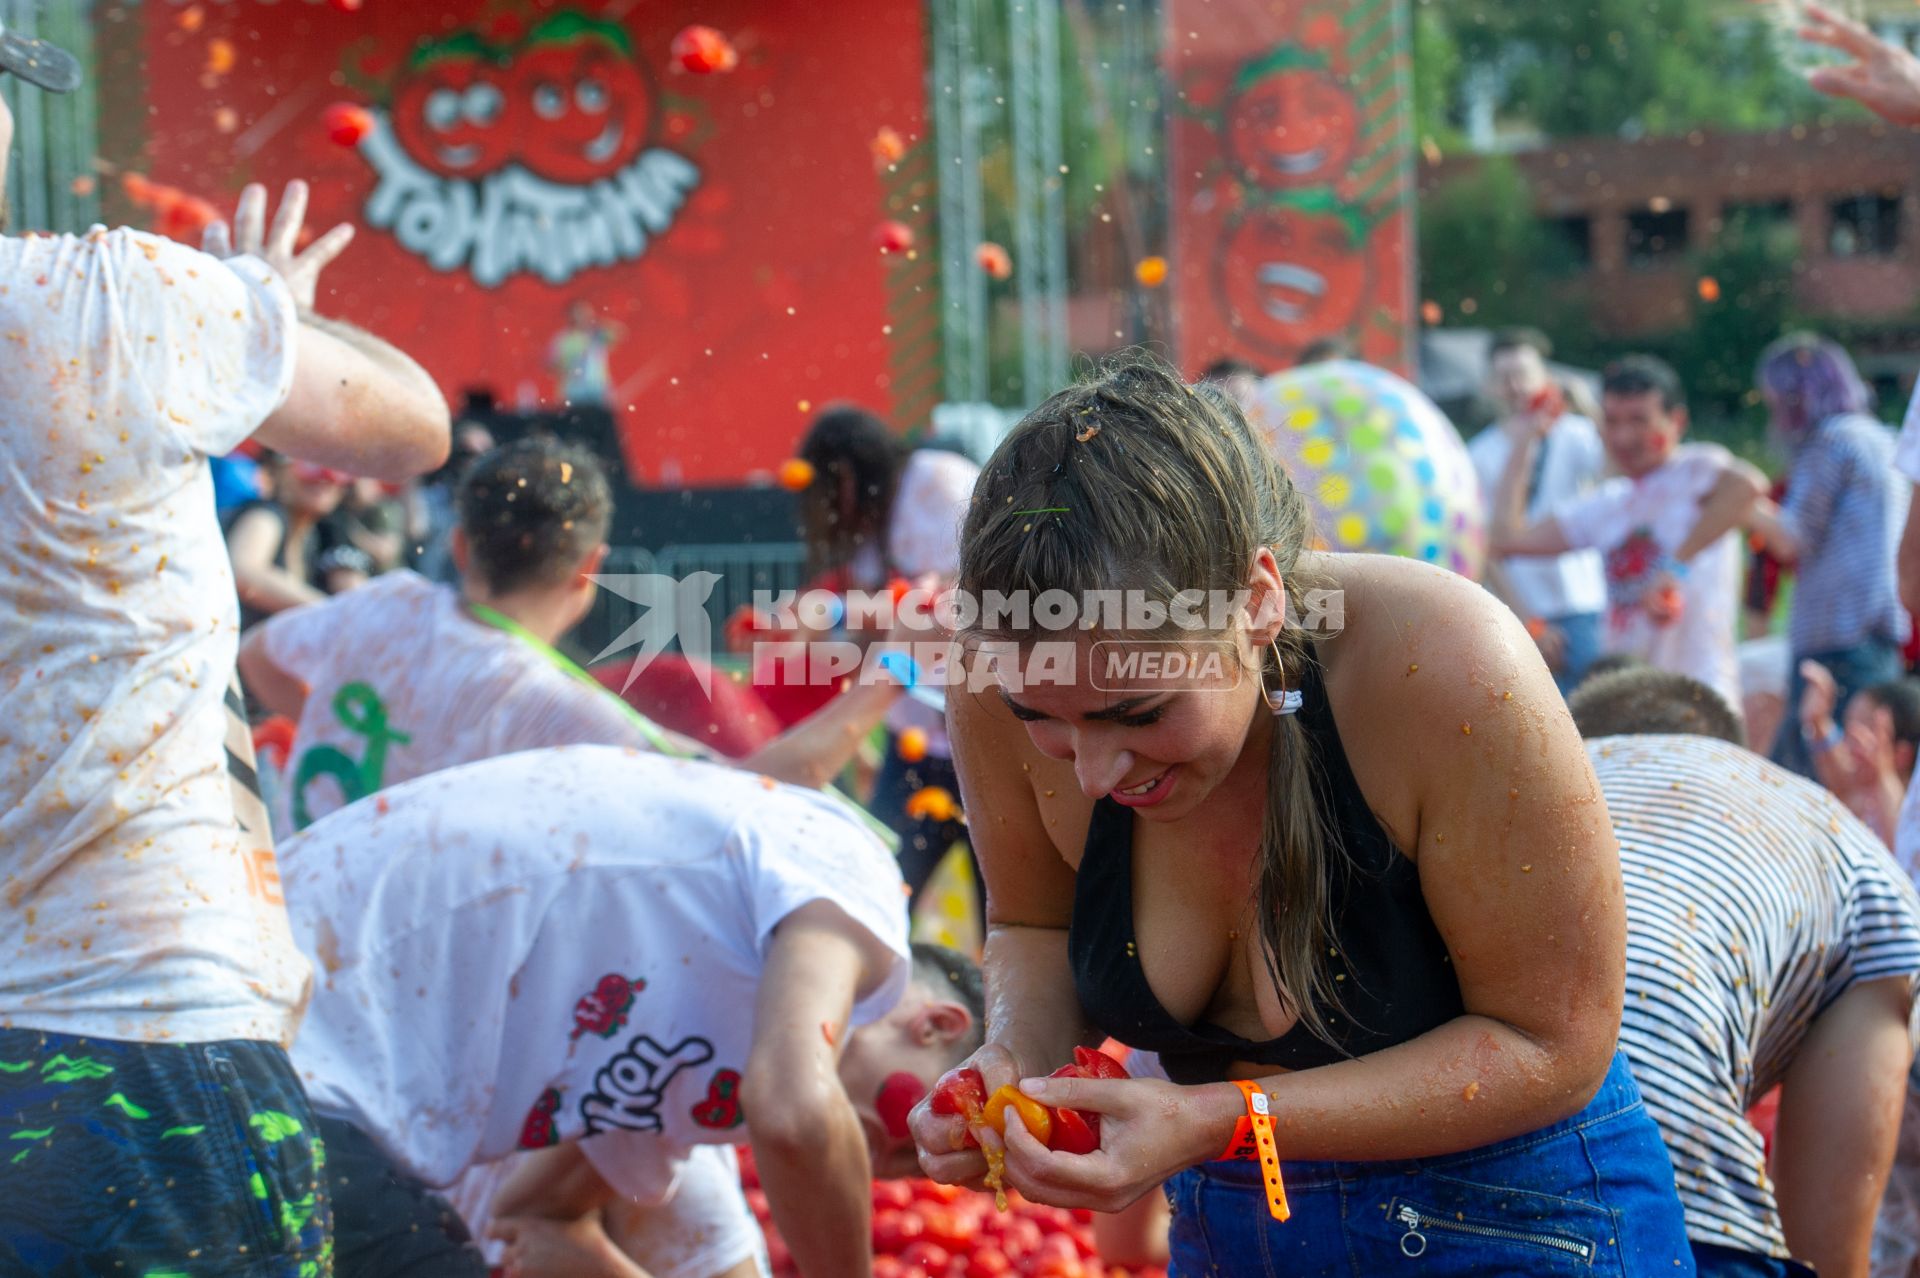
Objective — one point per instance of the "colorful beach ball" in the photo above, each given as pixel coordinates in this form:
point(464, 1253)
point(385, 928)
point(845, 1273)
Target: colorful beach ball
point(1383, 468)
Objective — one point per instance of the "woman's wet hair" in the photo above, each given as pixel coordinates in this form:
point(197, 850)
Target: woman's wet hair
point(1132, 480)
point(531, 511)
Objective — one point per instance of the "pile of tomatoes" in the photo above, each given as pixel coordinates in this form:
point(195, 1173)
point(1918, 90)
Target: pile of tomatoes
point(926, 1230)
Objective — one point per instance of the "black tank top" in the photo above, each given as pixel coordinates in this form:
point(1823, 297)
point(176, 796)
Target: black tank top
point(1395, 978)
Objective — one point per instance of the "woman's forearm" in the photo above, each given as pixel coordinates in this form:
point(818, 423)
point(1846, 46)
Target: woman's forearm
point(1471, 1082)
point(1032, 1008)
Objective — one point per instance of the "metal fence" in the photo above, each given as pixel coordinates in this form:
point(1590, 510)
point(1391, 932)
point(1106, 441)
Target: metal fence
point(743, 569)
point(51, 181)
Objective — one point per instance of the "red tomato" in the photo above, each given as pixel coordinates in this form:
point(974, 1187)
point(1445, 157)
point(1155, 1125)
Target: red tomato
point(893, 237)
point(1059, 1267)
point(890, 1195)
point(587, 107)
point(346, 123)
point(703, 50)
point(451, 115)
point(896, 1230)
point(1023, 1236)
point(988, 1262)
point(1095, 1063)
point(948, 1228)
point(960, 1093)
point(888, 1267)
point(927, 1255)
point(994, 260)
point(347, 6)
point(1075, 1132)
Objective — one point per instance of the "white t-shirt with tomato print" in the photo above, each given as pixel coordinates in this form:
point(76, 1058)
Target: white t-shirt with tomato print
point(1636, 525)
point(563, 945)
point(141, 898)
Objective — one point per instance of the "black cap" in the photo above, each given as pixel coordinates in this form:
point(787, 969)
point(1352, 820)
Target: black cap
point(37, 62)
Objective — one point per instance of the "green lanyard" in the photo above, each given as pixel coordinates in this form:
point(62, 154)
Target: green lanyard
point(648, 728)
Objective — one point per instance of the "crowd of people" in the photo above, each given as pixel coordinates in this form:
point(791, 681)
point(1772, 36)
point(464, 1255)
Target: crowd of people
point(1469, 932)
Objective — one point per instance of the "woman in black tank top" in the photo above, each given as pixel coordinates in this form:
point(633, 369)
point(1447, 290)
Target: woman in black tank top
point(1316, 821)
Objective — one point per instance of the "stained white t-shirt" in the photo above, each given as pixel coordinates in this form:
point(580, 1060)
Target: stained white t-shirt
point(402, 681)
point(1550, 586)
point(137, 906)
point(1637, 523)
point(562, 944)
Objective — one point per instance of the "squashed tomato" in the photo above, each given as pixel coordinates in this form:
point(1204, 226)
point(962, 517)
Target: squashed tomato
point(1035, 1117)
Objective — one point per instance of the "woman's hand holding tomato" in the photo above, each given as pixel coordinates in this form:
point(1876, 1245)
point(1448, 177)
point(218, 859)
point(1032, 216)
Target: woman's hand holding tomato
point(948, 1143)
point(963, 1110)
point(1147, 1129)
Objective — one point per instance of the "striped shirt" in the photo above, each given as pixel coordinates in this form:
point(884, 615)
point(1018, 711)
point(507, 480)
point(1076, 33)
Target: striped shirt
point(1846, 505)
point(1754, 900)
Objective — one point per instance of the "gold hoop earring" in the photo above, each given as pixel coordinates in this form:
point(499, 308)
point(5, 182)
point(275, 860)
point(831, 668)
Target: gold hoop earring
point(1284, 701)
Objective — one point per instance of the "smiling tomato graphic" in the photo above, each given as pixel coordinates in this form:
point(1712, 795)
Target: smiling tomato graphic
point(582, 105)
point(450, 112)
point(1288, 122)
point(1292, 273)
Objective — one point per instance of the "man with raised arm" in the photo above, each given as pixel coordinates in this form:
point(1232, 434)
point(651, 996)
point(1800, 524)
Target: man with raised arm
point(148, 978)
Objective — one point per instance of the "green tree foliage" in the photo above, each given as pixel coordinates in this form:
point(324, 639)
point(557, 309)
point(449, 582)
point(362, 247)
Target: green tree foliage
point(1485, 258)
point(1577, 68)
point(1753, 263)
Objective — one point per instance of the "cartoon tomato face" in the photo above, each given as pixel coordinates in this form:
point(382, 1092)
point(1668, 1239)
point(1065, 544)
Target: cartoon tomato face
point(450, 116)
point(583, 110)
point(1291, 128)
point(1287, 278)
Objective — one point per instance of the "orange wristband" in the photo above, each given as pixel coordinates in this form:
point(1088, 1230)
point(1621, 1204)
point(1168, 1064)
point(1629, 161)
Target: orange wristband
point(1253, 1138)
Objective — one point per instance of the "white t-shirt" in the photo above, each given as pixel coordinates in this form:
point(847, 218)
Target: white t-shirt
point(562, 944)
point(1635, 524)
point(923, 536)
point(1558, 585)
point(401, 682)
point(137, 906)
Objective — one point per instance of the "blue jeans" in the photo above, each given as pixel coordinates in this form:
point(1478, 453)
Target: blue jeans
point(1855, 668)
point(1591, 1195)
point(1580, 633)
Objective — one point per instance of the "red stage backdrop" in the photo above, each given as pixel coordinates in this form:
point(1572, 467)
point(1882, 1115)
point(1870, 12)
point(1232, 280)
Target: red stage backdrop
point(526, 154)
point(1292, 199)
